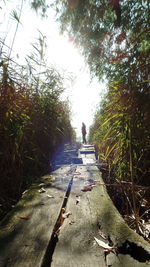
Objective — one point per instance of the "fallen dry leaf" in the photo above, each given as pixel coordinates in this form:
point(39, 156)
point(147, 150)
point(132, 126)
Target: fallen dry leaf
point(87, 188)
point(25, 192)
point(71, 222)
point(104, 245)
point(50, 196)
point(66, 215)
point(42, 184)
point(24, 217)
point(42, 190)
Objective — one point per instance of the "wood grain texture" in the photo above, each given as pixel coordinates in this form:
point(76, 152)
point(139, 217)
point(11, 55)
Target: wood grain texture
point(76, 246)
point(95, 212)
point(23, 242)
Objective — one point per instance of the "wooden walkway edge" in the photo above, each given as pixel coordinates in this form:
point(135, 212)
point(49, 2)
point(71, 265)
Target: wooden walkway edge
point(55, 223)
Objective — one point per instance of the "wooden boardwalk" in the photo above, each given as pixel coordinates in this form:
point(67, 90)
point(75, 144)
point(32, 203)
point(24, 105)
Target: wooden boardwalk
point(56, 222)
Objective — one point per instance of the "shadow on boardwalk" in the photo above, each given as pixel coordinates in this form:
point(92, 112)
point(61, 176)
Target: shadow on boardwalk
point(55, 222)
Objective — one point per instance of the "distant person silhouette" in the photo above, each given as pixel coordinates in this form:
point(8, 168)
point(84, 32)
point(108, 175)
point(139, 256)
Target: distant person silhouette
point(83, 132)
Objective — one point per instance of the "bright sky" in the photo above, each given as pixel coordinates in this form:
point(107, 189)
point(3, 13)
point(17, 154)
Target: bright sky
point(83, 93)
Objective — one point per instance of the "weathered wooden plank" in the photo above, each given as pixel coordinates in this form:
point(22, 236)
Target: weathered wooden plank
point(95, 212)
point(87, 153)
point(23, 242)
point(112, 224)
point(26, 242)
point(76, 246)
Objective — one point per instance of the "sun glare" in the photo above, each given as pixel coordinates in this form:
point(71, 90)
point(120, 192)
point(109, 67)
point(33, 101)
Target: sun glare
point(62, 53)
point(83, 93)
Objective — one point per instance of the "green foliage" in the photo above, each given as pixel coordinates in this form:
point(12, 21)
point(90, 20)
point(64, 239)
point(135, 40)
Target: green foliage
point(33, 123)
point(119, 115)
point(15, 15)
point(39, 5)
point(92, 26)
point(114, 38)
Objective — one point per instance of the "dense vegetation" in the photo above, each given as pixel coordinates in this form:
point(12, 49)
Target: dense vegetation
point(34, 120)
point(114, 38)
